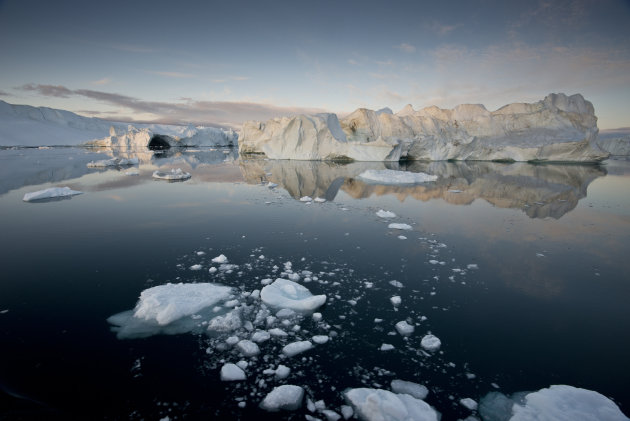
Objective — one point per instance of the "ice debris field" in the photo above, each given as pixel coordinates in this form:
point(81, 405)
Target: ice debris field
point(315, 340)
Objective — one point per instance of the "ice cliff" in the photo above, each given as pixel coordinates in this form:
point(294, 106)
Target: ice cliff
point(558, 128)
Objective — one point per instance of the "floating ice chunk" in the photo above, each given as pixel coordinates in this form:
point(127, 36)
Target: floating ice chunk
point(319, 200)
point(220, 259)
point(331, 415)
point(396, 300)
point(260, 336)
point(288, 397)
point(317, 317)
point(201, 253)
point(248, 348)
point(231, 372)
point(174, 174)
point(396, 226)
point(306, 199)
point(404, 328)
point(283, 293)
point(430, 343)
point(113, 162)
point(195, 267)
point(227, 322)
point(434, 262)
point(416, 390)
point(285, 313)
point(132, 172)
point(386, 347)
point(295, 348)
point(212, 270)
point(320, 339)
point(469, 403)
point(383, 405)
point(396, 177)
point(276, 331)
point(472, 266)
point(50, 193)
point(385, 214)
point(347, 411)
point(397, 284)
point(282, 372)
point(167, 303)
point(402, 237)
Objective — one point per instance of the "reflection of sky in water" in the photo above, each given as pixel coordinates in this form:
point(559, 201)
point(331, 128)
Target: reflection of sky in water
point(550, 292)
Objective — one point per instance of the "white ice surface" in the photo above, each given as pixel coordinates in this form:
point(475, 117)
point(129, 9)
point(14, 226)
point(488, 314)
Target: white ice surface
point(283, 293)
point(50, 193)
point(396, 226)
point(396, 177)
point(383, 405)
point(220, 259)
point(288, 397)
point(385, 214)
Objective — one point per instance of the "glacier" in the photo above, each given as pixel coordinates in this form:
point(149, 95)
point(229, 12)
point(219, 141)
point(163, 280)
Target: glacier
point(558, 128)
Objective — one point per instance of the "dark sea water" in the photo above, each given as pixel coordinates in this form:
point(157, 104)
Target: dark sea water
point(543, 302)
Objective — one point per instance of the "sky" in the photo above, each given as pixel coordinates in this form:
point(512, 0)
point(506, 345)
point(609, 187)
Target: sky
point(222, 63)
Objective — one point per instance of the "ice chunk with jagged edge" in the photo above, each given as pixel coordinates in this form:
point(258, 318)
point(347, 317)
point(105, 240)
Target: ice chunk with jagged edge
point(430, 342)
point(395, 226)
point(283, 293)
point(383, 405)
point(404, 328)
point(50, 193)
point(295, 348)
point(416, 390)
point(248, 348)
point(288, 397)
point(385, 214)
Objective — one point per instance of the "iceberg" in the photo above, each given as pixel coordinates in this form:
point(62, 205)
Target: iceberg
point(172, 175)
point(51, 193)
point(557, 128)
point(231, 372)
point(288, 397)
point(283, 293)
point(383, 405)
point(556, 403)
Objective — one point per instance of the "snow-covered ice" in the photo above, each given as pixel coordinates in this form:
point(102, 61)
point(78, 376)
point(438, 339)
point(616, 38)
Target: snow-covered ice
point(50, 193)
point(430, 343)
point(287, 397)
point(248, 348)
point(398, 226)
point(414, 389)
point(294, 348)
point(220, 259)
point(395, 300)
point(396, 177)
point(383, 405)
point(174, 174)
point(232, 372)
point(283, 293)
point(385, 214)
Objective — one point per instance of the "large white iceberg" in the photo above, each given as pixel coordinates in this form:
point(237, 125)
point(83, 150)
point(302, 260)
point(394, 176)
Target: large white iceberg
point(556, 403)
point(383, 405)
point(283, 293)
point(50, 193)
point(557, 128)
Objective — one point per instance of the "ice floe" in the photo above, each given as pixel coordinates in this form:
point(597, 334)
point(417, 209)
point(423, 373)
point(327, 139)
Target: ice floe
point(286, 397)
point(295, 348)
point(248, 348)
point(396, 177)
point(383, 405)
point(175, 174)
point(283, 293)
point(385, 214)
point(231, 372)
point(430, 343)
point(50, 193)
point(397, 226)
point(404, 328)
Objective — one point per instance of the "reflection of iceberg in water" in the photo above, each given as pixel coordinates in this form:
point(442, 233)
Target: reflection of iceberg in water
point(539, 190)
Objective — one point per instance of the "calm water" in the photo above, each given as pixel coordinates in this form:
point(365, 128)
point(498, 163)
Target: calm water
point(547, 303)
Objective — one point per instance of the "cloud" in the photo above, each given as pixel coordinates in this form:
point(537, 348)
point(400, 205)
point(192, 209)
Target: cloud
point(407, 48)
point(187, 111)
point(176, 75)
point(103, 81)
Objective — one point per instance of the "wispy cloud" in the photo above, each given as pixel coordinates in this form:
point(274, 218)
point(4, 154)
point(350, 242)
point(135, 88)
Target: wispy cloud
point(406, 48)
point(222, 113)
point(103, 81)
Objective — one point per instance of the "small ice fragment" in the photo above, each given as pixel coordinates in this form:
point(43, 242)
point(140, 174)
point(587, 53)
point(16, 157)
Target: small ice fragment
point(132, 172)
point(277, 332)
point(320, 339)
point(472, 266)
point(282, 372)
point(232, 372)
point(201, 253)
point(540, 255)
point(195, 267)
point(397, 226)
point(396, 300)
point(220, 259)
point(469, 403)
point(378, 320)
point(434, 262)
point(397, 284)
point(295, 348)
point(430, 343)
point(404, 328)
point(50, 193)
point(416, 390)
point(317, 317)
point(385, 214)
point(261, 336)
point(305, 199)
point(248, 348)
point(331, 415)
point(347, 411)
point(402, 237)
point(386, 347)
point(288, 397)
point(242, 364)
point(320, 200)
point(232, 340)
